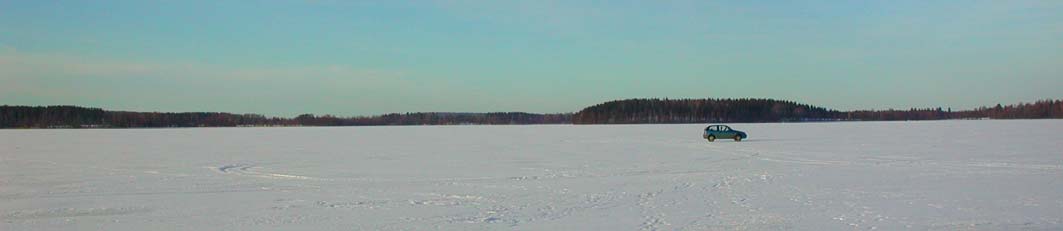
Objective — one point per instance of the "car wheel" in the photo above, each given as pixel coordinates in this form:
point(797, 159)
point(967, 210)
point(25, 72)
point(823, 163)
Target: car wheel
point(738, 138)
point(711, 138)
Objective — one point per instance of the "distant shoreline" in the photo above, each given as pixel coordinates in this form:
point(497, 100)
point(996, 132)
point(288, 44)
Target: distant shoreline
point(475, 125)
point(630, 111)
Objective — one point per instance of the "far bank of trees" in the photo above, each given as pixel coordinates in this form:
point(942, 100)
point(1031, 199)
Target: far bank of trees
point(1042, 109)
point(629, 111)
point(768, 110)
point(701, 111)
point(433, 118)
point(81, 117)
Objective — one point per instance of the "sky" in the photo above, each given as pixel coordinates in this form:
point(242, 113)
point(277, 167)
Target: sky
point(347, 58)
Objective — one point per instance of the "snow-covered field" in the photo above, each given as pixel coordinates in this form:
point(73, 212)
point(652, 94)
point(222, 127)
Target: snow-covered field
point(942, 175)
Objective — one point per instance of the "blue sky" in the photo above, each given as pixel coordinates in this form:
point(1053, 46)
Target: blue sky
point(370, 57)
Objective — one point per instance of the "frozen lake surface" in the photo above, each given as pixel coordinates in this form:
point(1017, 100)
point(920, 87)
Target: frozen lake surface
point(941, 175)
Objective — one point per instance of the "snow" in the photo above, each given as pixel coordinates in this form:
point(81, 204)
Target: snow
point(939, 175)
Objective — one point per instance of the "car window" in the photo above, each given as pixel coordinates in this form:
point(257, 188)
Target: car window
point(724, 128)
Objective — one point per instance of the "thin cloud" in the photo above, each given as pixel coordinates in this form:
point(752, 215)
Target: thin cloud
point(5, 49)
point(558, 18)
point(19, 65)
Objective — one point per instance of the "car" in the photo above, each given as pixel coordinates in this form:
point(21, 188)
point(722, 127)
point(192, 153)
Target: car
point(712, 132)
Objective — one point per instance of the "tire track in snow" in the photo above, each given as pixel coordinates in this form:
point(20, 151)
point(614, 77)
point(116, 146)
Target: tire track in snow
point(787, 157)
point(71, 212)
point(654, 219)
point(248, 170)
point(108, 169)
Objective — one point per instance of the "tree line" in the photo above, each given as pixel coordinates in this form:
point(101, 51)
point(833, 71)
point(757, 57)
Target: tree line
point(633, 111)
point(433, 118)
point(630, 111)
point(82, 117)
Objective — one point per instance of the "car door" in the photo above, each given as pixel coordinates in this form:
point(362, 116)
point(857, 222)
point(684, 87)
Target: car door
point(726, 133)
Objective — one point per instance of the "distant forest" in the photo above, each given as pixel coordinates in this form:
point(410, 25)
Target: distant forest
point(81, 117)
point(631, 111)
point(636, 111)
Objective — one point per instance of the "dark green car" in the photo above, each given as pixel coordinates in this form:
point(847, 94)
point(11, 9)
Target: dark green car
point(712, 132)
